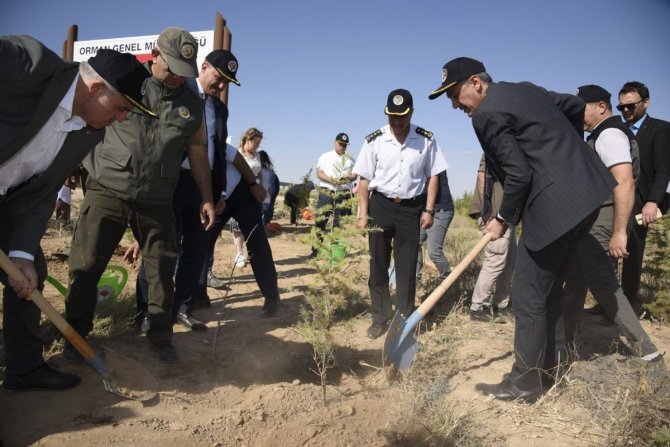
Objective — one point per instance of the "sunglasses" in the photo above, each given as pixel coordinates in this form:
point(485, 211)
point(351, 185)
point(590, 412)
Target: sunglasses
point(628, 107)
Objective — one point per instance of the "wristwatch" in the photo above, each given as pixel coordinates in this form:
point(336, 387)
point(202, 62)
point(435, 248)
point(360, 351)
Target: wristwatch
point(431, 212)
point(499, 218)
point(256, 181)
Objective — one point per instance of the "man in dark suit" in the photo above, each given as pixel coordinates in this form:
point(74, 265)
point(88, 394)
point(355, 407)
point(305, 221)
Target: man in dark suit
point(52, 113)
point(653, 139)
point(218, 70)
point(532, 140)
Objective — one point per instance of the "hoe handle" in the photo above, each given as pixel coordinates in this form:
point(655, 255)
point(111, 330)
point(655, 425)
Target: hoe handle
point(434, 297)
point(52, 314)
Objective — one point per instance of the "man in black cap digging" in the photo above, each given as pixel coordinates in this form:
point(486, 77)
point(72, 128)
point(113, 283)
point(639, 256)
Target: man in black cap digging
point(397, 163)
point(532, 140)
point(132, 177)
point(334, 173)
point(52, 113)
point(595, 266)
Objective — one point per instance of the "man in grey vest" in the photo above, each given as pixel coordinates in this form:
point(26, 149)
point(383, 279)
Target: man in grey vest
point(595, 266)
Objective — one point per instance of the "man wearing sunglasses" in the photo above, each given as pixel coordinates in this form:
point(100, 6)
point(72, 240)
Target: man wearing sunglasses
point(133, 173)
point(532, 140)
point(653, 137)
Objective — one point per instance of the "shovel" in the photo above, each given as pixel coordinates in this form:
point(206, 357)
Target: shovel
point(400, 346)
point(120, 374)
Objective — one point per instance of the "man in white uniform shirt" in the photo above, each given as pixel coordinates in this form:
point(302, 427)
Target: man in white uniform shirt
point(334, 173)
point(395, 165)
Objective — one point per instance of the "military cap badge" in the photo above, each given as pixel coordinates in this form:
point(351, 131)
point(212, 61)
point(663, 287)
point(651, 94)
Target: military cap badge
point(184, 112)
point(187, 51)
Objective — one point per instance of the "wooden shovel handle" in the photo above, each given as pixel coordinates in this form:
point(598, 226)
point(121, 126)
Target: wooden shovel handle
point(434, 297)
point(52, 314)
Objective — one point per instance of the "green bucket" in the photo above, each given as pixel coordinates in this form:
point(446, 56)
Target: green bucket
point(338, 252)
point(111, 283)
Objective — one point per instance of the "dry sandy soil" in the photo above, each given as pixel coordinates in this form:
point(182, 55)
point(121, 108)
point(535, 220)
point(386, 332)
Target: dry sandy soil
point(256, 387)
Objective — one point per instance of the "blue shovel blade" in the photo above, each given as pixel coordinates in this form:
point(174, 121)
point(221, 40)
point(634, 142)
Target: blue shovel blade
point(399, 351)
point(406, 353)
point(392, 339)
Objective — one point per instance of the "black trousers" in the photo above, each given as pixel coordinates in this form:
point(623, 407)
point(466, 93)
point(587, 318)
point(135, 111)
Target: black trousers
point(632, 265)
point(248, 213)
point(21, 320)
point(537, 294)
point(400, 225)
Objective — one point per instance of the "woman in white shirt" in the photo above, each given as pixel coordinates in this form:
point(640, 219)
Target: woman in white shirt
point(249, 143)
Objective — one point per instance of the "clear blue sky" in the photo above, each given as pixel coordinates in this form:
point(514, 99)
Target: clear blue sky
point(312, 68)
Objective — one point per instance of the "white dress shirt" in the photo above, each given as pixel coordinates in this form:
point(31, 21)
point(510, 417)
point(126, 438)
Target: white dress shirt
point(335, 166)
point(38, 154)
point(400, 170)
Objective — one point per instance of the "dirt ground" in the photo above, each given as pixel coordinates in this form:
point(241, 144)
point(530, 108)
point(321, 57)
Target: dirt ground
point(255, 385)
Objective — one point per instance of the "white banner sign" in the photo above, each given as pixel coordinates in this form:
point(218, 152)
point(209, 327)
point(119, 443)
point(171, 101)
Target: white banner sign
point(140, 46)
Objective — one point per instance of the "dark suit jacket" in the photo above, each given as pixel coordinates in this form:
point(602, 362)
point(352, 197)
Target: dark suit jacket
point(653, 139)
point(221, 134)
point(33, 81)
point(533, 144)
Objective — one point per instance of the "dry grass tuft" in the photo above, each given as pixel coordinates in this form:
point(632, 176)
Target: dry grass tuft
point(427, 415)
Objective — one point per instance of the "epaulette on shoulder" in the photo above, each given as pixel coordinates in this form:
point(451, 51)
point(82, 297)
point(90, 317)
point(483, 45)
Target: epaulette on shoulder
point(424, 132)
point(370, 138)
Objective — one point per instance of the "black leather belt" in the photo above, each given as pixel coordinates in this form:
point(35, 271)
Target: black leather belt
point(417, 200)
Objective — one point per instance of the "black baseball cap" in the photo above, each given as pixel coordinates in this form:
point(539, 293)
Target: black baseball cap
point(342, 138)
point(593, 93)
point(225, 63)
point(457, 70)
point(123, 72)
point(399, 102)
point(180, 50)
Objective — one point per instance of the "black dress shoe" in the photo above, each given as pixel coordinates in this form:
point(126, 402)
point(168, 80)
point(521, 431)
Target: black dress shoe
point(190, 322)
point(376, 330)
point(42, 378)
point(143, 322)
point(506, 390)
point(269, 311)
point(166, 351)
